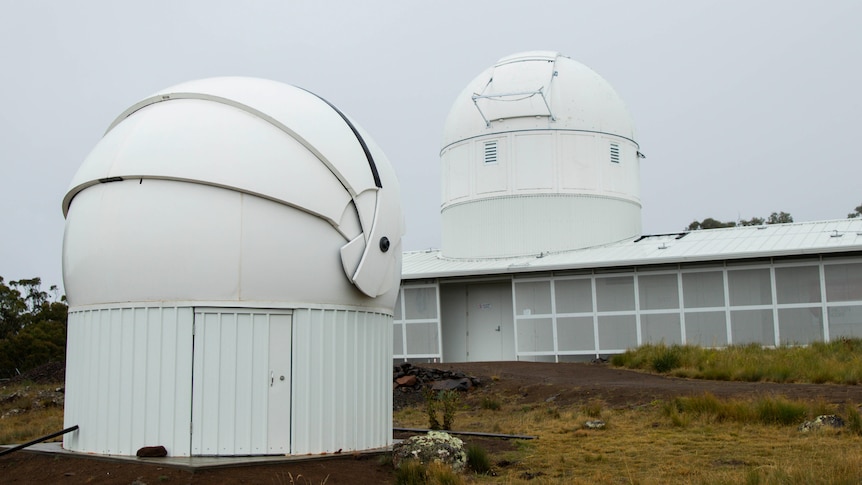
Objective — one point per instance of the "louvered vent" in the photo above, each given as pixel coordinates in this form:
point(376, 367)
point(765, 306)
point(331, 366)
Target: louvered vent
point(490, 152)
point(615, 153)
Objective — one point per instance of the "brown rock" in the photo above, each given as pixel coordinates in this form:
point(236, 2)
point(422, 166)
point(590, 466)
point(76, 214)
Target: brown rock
point(406, 381)
point(152, 452)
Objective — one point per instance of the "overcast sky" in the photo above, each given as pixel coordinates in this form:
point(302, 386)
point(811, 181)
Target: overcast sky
point(742, 108)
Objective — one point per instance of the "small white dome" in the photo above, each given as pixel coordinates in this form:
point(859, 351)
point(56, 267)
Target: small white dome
point(538, 155)
point(233, 189)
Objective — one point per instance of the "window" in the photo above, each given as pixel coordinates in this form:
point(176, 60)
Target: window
point(490, 152)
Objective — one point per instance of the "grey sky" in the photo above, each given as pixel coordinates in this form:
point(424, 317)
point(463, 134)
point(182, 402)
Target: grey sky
point(742, 107)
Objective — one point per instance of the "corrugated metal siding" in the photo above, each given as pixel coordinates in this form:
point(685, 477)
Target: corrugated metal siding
point(128, 379)
point(342, 397)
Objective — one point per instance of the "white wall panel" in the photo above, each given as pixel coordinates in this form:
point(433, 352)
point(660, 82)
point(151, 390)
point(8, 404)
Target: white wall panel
point(512, 226)
point(534, 161)
point(342, 396)
point(128, 373)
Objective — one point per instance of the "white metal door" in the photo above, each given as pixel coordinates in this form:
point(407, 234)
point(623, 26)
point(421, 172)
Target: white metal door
point(278, 403)
point(485, 320)
point(240, 404)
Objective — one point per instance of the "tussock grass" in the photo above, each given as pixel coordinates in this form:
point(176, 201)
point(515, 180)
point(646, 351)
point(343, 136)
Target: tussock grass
point(837, 362)
point(763, 410)
point(412, 472)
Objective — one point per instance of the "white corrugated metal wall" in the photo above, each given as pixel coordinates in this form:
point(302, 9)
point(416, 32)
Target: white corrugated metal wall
point(227, 381)
point(342, 397)
point(119, 364)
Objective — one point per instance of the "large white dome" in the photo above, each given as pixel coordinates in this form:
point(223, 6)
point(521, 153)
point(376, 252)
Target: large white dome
point(233, 189)
point(538, 156)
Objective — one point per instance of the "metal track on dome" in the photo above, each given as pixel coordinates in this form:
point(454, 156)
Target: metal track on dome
point(359, 138)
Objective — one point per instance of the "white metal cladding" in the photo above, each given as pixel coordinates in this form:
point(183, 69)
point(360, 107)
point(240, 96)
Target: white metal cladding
point(342, 367)
point(540, 162)
point(712, 306)
point(128, 379)
point(417, 324)
point(535, 224)
point(241, 394)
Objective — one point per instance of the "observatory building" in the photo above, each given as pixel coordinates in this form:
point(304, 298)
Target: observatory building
point(542, 253)
point(231, 257)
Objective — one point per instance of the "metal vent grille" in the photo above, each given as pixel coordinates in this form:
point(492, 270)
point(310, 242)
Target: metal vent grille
point(490, 152)
point(615, 153)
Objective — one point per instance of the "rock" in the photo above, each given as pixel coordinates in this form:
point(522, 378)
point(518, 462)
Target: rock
point(436, 446)
point(463, 384)
point(594, 424)
point(406, 381)
point(821, 422)
point(152, 452)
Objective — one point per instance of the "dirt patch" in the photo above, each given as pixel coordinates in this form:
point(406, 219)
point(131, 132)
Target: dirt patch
point(564, 384)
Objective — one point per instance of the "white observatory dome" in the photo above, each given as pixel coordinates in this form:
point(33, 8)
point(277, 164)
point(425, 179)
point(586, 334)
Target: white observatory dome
point(231, 257)
point(233, 189)
point(539, 155)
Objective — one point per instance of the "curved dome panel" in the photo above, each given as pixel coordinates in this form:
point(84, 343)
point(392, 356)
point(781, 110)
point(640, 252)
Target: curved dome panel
point(247, 140)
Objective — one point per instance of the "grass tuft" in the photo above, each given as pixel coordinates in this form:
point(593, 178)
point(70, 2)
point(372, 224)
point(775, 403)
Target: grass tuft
point(478, 460)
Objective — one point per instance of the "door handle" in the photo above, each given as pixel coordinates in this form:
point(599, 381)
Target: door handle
point(271, 378)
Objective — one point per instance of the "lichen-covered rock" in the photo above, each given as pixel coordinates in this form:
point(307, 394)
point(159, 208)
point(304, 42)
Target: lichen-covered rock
point(821, 422)
point(594, 424)
point(436, 446)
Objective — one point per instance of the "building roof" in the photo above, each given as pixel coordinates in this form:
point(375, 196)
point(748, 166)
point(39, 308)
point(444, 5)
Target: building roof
point(775, 240)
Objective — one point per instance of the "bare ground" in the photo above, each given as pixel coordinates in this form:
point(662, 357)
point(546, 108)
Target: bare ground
point(523, 381)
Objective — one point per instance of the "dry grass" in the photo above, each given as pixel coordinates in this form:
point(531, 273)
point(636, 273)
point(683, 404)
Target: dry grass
point(647, 446)
point(27, 413)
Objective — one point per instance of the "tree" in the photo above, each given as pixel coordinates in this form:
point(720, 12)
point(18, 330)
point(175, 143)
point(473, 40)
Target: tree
point(754, 221)
point(779, 218)
point(12, 306)
point(709, 223)
point(774, 218)
point(857, 213)
point(32, 328)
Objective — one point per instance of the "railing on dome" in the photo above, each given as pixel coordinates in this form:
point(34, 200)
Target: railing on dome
point(512, 96)
point(526, 94)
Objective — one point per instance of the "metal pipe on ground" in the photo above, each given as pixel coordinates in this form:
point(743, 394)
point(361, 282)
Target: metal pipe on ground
point(39, 440)
point(470, 433)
